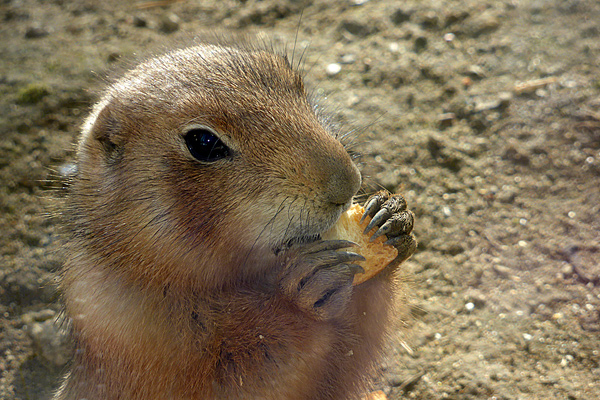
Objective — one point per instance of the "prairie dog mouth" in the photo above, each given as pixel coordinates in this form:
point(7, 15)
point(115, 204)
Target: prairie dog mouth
point(304, 239)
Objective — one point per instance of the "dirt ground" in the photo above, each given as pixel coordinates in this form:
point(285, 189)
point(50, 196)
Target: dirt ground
point(485, 114)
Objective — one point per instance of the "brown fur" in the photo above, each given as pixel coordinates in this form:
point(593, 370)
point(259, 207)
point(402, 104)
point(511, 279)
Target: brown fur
point(171, 280)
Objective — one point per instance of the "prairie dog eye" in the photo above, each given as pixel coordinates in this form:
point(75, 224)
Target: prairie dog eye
point(204, 145)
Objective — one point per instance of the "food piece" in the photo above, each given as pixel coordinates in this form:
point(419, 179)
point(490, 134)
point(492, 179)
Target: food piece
point(378, 255)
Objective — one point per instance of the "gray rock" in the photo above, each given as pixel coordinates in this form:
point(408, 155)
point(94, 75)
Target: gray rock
point(500, 102)
point(139, 22)
point(50, 342)
point(420, 44)
point(357, 28)
point(446, 119)
point(169, 23)
point(34, 32)
point(349, 58)
point(430, 20)
point(480, 24)
point(400, 16)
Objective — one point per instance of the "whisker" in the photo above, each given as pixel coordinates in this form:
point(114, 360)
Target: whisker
point(296, 38)
point(290, 218)
point(271, 221)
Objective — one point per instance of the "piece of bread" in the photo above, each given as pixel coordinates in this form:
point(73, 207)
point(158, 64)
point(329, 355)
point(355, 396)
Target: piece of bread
point(377, 254)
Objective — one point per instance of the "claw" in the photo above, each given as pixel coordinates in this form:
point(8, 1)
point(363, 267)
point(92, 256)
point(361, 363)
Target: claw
point(381, 216)
point(356, 269)
point(398, 224)
point(333, 257)
point(406, 245)
point(374, 203)
point(325, 245)
point(383, 230)
point(370, 209)
point(349, 256)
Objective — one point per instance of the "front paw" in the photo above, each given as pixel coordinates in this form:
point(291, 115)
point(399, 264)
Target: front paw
point(391, 218)
point(318, 276)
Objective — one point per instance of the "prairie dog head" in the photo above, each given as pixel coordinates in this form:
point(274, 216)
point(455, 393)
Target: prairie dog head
point(198, 165)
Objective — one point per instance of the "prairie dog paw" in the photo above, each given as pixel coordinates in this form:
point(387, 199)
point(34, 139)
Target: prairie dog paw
point(392, 218)
point(318, 276)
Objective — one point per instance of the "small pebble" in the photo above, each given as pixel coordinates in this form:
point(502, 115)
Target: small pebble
point(557, 316)
point(475, 71)
point(356, 28)
point(35, 32)
point(400, 16)
point(566, 269)
point(448, 37)
point(430, 20)
point(483, 23)
point(139, 22)
point(348, 59)
point(169, 23)
point(469, 307)
point(420, 44)
point(333, 69)
point(501, 270)
point(446, 119)
point(50, 342)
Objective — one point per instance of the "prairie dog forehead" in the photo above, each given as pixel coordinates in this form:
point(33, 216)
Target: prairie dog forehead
point(208, 80)
point(234, 90)
point(209, 69)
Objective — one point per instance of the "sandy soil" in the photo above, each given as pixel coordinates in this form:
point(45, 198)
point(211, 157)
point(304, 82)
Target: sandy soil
point(486, 115)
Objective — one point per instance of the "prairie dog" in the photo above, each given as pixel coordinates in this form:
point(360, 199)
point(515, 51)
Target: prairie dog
point(195, 267)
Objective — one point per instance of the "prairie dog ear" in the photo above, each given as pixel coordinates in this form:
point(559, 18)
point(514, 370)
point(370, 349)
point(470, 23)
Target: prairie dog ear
point(107, 129)
point(104, 129)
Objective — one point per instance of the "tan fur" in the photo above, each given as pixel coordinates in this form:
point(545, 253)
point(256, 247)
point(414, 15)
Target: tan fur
point(171, 280)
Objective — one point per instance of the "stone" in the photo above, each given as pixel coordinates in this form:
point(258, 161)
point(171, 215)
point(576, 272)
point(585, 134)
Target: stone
point(400, 16)
point(169, 23)
point(50, 342)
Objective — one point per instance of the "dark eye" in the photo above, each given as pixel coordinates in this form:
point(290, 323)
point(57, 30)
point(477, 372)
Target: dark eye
point(205, 146)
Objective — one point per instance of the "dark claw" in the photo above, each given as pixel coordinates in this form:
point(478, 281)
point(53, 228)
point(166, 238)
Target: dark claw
point(349, 256)
point(406, 245)
point(383, 230)
point(332, 257)
point(381, 216)
point(325, 245)
point(356, 269)
point(398, 224)
point(392, 206)
point(374, 204)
